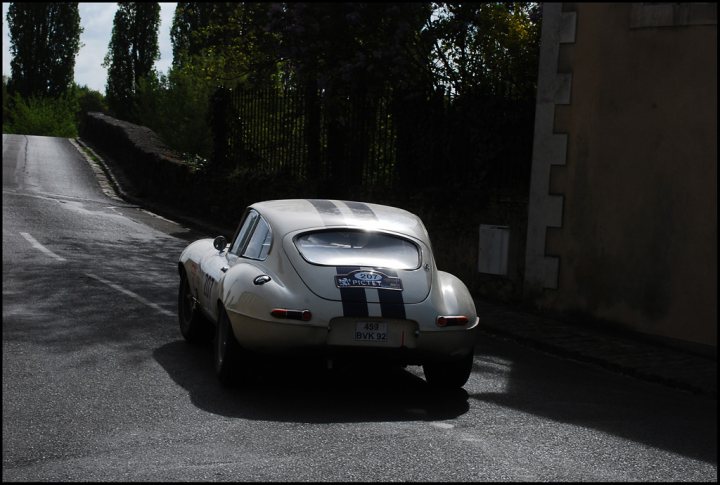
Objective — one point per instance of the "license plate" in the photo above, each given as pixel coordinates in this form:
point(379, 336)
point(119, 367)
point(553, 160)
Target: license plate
point(371, 332)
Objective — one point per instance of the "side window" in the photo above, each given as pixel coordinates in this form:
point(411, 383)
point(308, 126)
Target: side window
point(260, 242)
point(244, 232)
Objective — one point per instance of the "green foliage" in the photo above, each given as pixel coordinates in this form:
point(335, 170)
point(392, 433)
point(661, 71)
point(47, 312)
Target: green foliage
point(42, 116)
point(148, 101)
point(90, 100)
point(187, 104)
point(195, 162)
point(59, 116)
point(44, 40)
point(189, 16)
point(176, 108)
point(414, 47)
point(132, 51)
point(5, 98)
point(227, 40)
point(486, 47)
point(352, 58)
point(354, 46)
point(214, 44)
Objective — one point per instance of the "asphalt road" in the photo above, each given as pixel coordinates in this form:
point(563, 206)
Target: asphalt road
point(99, 385)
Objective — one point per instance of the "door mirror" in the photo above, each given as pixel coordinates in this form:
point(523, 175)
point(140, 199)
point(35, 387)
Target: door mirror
point(220, 243)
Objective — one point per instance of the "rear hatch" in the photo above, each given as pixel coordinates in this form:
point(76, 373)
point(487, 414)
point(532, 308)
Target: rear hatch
point(353, 265)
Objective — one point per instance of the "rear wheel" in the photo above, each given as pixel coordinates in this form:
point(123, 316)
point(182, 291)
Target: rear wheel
point(450, 374)
point(227, 350)
point(193, 325)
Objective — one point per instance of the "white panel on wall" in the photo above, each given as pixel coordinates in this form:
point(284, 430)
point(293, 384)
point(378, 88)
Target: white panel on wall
point(493, 249)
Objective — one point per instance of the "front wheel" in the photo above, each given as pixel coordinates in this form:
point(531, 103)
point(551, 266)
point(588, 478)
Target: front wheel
point(449, 374)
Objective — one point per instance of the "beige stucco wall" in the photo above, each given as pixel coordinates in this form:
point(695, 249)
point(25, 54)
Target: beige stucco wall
point(638, 239)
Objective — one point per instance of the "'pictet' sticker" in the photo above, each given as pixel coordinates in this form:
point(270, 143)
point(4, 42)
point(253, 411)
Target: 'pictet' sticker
point(363, 278)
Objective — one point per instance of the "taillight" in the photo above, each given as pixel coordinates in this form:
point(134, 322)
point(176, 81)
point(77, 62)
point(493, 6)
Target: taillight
point(449, 321)
point(303, 315)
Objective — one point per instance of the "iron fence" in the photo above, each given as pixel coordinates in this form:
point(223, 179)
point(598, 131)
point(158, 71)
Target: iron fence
point(386, 140)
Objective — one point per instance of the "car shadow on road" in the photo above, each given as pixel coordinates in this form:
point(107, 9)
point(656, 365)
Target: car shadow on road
point(303, 392)
point(580, 395)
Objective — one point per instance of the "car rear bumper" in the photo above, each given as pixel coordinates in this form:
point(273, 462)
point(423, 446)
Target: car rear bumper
point(405, 341)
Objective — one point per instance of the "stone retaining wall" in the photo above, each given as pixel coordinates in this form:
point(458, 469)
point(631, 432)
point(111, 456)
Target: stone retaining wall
point(156, 171)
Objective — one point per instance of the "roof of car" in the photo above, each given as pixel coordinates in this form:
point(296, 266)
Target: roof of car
point(290, 215)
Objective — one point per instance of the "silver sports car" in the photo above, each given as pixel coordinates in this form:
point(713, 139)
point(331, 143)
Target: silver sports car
point(331, 278)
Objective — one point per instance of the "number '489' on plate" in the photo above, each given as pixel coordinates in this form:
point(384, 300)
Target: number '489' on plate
point(371, 331)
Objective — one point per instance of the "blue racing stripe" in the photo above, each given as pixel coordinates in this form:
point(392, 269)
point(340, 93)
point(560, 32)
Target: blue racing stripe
point(329, 212)
point(325, 206)
point(361, 210)
point(354, 301)
point(392, 304)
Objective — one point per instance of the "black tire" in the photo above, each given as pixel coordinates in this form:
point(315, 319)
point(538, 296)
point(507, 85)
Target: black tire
point(194, 327)
point(227, 351)
point(449, 374)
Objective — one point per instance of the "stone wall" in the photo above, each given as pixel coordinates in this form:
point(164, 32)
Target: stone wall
point(156, 171)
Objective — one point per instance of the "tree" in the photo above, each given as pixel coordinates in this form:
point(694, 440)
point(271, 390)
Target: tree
point(229, 40)
point(352, 53)
point(215, 45)
point(42, 115)
point(44, 40)
point(88, 100)
point(486, 47)
point(353, 46)
point(132, 51)
point(189, 17)
point(5, 97)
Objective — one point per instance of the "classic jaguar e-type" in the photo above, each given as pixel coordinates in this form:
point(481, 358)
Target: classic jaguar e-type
point(329, 278)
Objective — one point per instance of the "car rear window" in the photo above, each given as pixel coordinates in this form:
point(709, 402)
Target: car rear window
point(358, 248)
